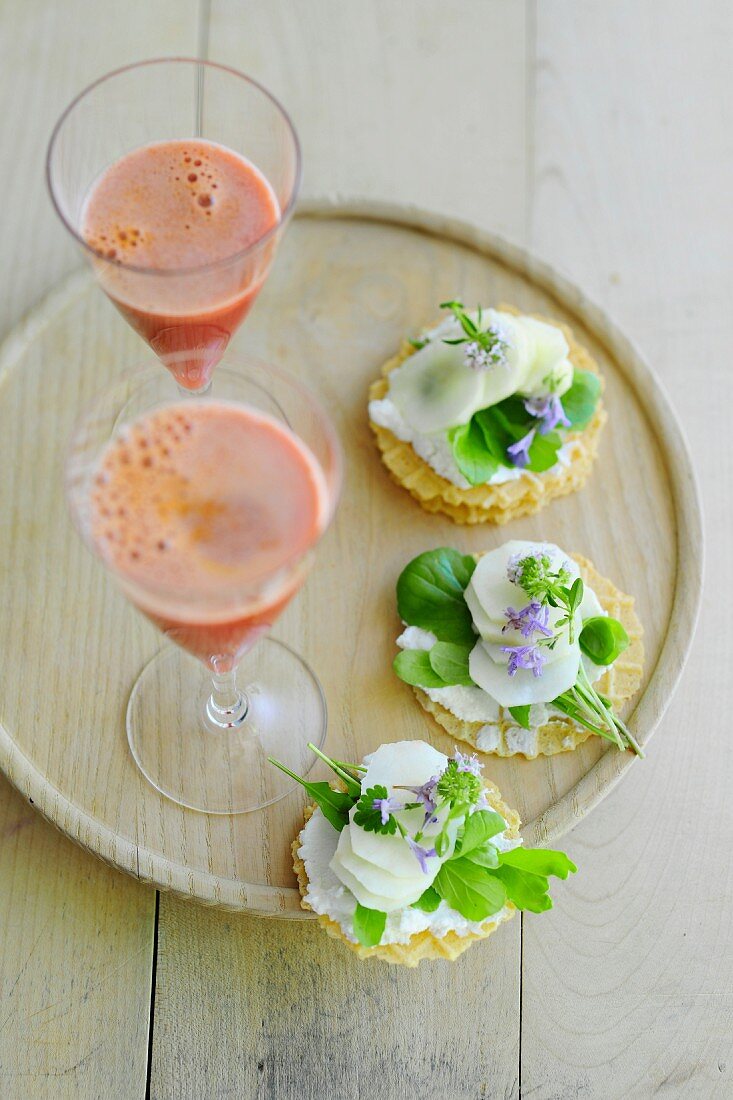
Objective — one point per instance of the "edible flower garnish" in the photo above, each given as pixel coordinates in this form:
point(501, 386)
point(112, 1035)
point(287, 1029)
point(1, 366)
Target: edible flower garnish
point(467, 866)
point(549, 411)
point(485, 347)
point(431, 595)
point(385, 807)
point(549, 587)
point(533, 617)
point(422, 855)
point(524, 656)
point(519, 451)
point(523, 430)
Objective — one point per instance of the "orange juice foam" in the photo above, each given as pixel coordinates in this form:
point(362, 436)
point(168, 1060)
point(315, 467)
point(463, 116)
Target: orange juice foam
point(173, 207)
point(204, 510)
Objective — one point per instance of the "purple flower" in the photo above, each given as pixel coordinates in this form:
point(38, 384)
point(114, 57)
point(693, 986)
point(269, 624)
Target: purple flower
point(421, 854)
point(519, 451)
point(524, 656)
point(549, 410)
point(385, 807)
point(468, 763)
point(527, 620)
point(426, 793)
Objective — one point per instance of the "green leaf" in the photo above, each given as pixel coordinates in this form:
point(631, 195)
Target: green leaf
point(521, 715)
point(428, 901)
point(473, 458)
point(508, 422)
point(543, 452)
point(414, 667)
point(369, 819)
point(524, 873)
point(471, 890)
point(450, 662)
point(430, 594)
point(369, 925)
point(504, 424)
point(540, 861)
point(525, 890)
point(488, 856)
point(580, 401)
point(576, 594)
point(480, 827)
point(603, 639)
point(353, 785)
point(335, 805)
point(496, 438)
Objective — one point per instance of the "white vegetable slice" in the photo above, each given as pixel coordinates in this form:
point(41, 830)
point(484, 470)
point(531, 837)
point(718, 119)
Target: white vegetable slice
point(492, 591)
point(513, 637)
point(399, 889)
point(549, 366)
point(434, 389)
point(504, 379)
point(391, 852)
point(589, 605)
point(524, 687)
point(410, 763)
point(367, 897)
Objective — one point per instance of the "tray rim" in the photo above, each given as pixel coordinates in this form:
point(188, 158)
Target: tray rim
point(151, 867)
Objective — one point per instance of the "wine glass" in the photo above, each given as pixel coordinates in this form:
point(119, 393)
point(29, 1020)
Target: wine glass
point(177, 178)
point(207, 513)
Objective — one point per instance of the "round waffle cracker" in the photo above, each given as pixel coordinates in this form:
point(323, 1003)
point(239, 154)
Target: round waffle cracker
point(490, 503)
point(562, 734)
point(422, 945)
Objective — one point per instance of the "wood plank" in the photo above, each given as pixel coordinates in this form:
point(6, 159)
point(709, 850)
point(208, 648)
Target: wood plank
point(628, 984)
point(250, 1007)
point(419, 101)
point(374, 93)
point(75, 965)
point(76, 943)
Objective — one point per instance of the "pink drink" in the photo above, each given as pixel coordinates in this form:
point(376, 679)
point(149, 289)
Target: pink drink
point(204, 511)
point(161, 214)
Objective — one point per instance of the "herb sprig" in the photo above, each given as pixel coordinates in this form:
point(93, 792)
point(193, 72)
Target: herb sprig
point(476, 878)
point(516, 431)
point(485, 347)
point(427, 586)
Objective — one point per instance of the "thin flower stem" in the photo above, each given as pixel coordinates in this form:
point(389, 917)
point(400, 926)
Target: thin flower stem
point(597, 701)
point(297, 778)
point(574, 713)
point(353, 767)
point(349, 780)
point(625, 738)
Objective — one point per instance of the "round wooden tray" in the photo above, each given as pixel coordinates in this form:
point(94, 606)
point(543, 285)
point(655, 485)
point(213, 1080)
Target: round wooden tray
point(351, 280)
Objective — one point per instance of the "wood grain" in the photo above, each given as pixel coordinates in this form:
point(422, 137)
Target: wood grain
point(76, 939)
point(249, 1007)
point(420, 100)
point(81, 633)
point(76, 953)
point(634, 967)
point(596, 134)
point(369, 86)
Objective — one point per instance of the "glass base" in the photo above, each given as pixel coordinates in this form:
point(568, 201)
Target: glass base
point(221, 767)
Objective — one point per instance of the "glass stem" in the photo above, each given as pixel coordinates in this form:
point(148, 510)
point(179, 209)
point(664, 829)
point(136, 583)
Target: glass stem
point(227, 706)
point(185, 392)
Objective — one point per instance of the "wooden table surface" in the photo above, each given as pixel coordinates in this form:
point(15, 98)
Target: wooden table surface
point(599, 135)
